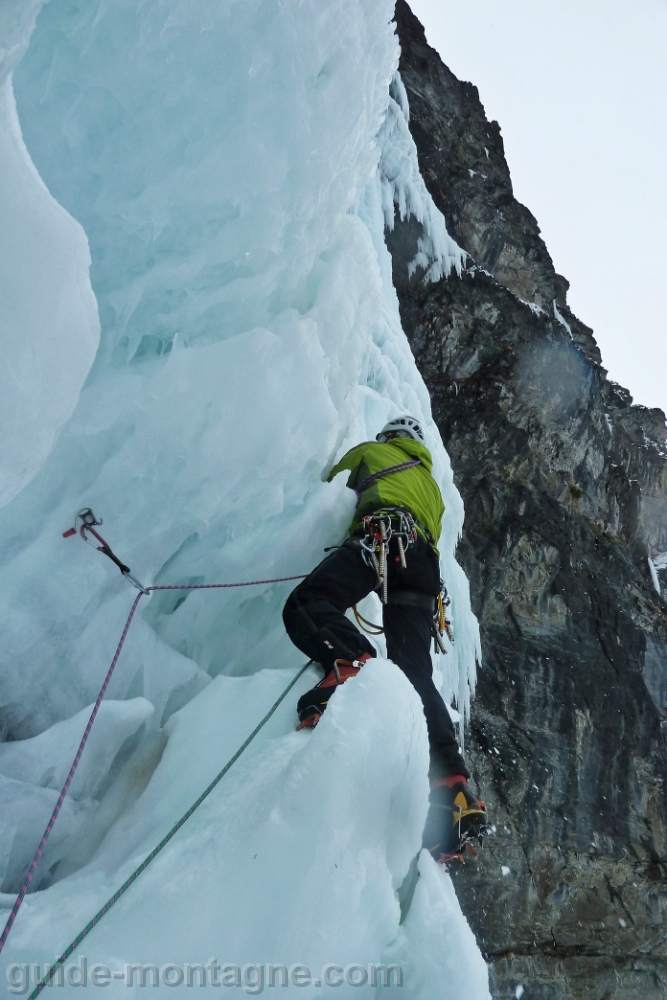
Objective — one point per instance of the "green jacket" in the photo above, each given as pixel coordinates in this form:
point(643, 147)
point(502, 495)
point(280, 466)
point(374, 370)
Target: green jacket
point(415, 488)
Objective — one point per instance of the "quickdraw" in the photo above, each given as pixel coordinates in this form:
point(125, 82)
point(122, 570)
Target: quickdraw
point(441, 623)
point(88, 524)
point(379, 529)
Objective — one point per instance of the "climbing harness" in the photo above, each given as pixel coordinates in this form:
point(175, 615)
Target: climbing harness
point(379, 529)
point(88, 523)
point(174, 830)
point(440, 626)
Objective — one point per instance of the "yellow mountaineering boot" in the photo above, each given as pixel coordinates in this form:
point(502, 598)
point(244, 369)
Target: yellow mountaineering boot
point(455, 818)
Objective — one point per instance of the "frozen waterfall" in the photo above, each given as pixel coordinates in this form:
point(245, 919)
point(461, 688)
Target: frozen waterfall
point(228, 168)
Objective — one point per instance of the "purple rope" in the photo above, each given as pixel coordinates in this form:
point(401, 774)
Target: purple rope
point(217, 586)
point(383, 472)
point(84, 739)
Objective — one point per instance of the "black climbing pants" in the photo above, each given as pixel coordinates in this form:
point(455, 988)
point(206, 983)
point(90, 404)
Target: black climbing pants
point(314, 617)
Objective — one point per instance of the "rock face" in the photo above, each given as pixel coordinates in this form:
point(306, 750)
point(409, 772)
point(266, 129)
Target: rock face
point(565, 490)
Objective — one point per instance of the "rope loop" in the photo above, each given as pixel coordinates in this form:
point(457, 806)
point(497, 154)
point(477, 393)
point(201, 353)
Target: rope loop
point(370, 627)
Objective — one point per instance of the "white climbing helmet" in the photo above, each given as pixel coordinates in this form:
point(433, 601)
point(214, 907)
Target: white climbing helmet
point(401, 427)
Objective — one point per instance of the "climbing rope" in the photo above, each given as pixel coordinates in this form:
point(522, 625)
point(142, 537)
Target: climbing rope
point(370, 628)
point(84, 739)
point(175, 828)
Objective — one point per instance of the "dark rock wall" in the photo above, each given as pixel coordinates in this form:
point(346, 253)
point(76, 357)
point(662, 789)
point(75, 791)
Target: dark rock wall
point(565, 490)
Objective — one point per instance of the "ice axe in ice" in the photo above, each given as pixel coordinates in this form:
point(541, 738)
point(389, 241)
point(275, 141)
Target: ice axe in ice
point(87, 526)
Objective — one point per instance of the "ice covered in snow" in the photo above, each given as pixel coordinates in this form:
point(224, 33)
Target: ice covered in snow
point(233, 166)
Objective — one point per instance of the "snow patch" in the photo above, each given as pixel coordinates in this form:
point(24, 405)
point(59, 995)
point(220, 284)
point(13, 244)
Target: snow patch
point(404, 190)
point(561, 319)
point(534, 308)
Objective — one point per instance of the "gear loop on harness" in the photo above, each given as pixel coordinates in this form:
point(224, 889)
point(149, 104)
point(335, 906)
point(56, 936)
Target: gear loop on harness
point(379, 529)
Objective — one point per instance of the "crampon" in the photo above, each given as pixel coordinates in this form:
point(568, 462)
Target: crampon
point(312, 704)
point(455, 819)
point(446, 858)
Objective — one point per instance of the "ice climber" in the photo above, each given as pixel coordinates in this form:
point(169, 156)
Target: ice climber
point(391, 550)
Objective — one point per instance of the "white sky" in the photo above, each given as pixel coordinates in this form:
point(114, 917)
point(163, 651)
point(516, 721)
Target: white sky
point(579, 88)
